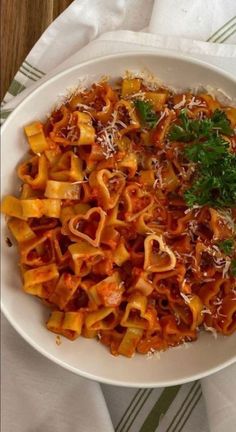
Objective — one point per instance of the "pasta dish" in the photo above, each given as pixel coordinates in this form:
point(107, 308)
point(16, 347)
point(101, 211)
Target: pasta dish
point(125, 222)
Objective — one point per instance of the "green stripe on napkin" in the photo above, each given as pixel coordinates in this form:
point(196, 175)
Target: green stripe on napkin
point(160, 408)
point(182, 407)
point(34, 68)
point(129, 424)
point(191, 406)
point(16, 87)
point(30, 73)
point(133, 409)
point(225, 31)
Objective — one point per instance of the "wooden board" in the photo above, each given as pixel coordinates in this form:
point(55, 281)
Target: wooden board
point(22, 23)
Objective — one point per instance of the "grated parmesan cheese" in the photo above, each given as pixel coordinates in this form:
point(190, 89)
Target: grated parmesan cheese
point(210, 329)
point(205, 310)
point(158, 179)
point(226, 266)
point(196, 206)
point(108, 135)
point(80, 181)
point(181, 103)
point(186, 298)
point(81, 105)
point(195, 102)
point(153, 353)
point(218, 312)
point(228, 218)
point(139, 95)
point(163, 114)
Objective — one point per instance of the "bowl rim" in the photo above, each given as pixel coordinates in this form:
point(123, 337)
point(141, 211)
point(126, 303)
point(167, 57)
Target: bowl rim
point(122, 55)
point(157, 53)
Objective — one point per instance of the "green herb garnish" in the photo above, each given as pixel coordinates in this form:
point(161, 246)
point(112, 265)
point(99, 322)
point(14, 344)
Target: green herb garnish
point(226, 246)
point(146, 113)
point(233, 267)
point(189, 130)
point(214, 183)
point(207, 152)
point(222, 123)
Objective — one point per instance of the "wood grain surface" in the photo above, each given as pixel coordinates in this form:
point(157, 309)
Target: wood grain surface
point(22, 23)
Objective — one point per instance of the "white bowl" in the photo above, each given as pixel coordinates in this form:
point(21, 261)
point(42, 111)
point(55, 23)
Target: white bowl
point(87, 357)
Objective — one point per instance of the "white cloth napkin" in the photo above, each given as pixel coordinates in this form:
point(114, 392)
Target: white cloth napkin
point(219, 392)
point(37, 394)
point(202, 20)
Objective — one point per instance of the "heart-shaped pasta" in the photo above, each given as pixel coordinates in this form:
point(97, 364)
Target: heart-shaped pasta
point(178, 272)
point(142, 284)
point(108, 186)
point(205, 258)
point(177, 223)
point(109, 97)
point(86, 132)
point(145, 225)
point(211, 290)
point(125, 109)
point(38, 251)
point(138, 314)
point(158, 257)
point(115, 216)
point(34, 172)
point(68, 168)
point(64, 290)
point(88, 226)
point(84, 256)
point(137, 202)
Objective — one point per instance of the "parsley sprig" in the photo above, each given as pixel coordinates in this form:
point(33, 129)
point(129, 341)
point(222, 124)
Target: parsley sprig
point(207, 152)
point(226, 246)
point(233, 267)
point(214, 183)
point(146, 113)
point(222, 123)
point(191, 129)
point(188, 130)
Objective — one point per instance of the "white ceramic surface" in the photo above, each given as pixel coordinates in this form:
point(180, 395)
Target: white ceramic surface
point(85, 356)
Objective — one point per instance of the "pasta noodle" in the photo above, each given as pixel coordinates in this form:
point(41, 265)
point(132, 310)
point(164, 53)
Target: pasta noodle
point(113, 233)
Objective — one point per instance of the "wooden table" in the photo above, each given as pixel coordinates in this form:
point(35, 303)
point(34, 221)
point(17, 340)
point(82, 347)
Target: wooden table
point(22, 23)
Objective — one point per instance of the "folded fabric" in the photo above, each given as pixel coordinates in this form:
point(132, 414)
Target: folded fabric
point(41, 396)
point(59, 400)
point(219, 395)
point(202, 20)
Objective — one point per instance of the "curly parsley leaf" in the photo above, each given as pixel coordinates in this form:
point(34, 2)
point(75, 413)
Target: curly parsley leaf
point(226, 246)
point(187, 129)
point(207, 152)
point(214, 183)
point(222, 123)
point(233, 267)
point(146, 113)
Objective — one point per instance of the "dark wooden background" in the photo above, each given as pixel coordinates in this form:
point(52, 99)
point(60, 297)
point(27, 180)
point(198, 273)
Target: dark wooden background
point(22, 23)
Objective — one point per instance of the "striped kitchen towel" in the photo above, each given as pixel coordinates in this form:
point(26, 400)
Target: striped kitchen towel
point(204, 29)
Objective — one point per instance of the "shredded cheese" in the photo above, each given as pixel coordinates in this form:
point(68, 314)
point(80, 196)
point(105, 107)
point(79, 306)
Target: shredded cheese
point(211, 329)
point(153, 353)
point(205, 310)
point(195, 102)
point(186, 298)
point(181, 103)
